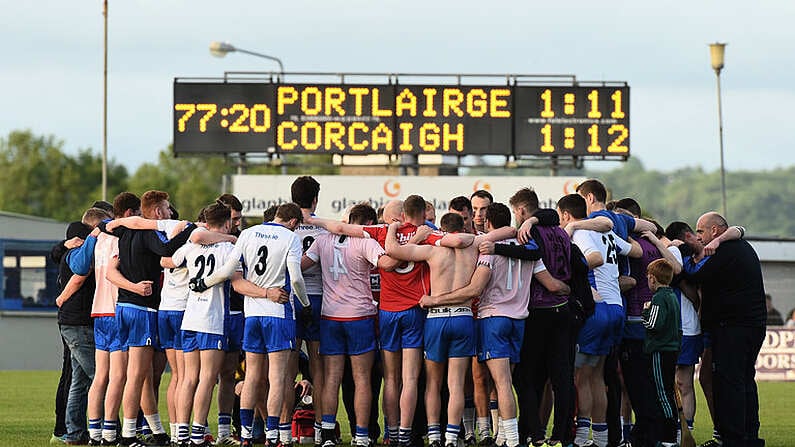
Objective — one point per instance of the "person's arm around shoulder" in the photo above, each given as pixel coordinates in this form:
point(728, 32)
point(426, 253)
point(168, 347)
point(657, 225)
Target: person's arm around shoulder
point(477, 284)
point(599, 224)
point(143, 288)
point(731, 234)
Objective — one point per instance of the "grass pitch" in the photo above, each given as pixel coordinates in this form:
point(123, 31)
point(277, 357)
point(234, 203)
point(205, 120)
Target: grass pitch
point(27, 410)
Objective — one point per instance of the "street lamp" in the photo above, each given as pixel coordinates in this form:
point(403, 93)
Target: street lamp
point(221, 49)
point(716, 51)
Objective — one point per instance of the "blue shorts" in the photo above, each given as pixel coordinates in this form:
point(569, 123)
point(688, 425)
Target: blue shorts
point(707, 337)
point(262, 335)
point(447, 337)
point(137, 326)
point(401, 330)
point(106, 334)
point(192, 340)
point(168, 328)
point(690, 350)
point(234, 331)
point(500, 338)
point(352, 337)
point(602, 330)
point(311, 333)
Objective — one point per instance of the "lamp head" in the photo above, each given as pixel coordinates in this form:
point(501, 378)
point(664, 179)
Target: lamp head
point(220, 49)
point(716, 55)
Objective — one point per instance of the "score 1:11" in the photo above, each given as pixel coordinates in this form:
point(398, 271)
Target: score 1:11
point(593, 99)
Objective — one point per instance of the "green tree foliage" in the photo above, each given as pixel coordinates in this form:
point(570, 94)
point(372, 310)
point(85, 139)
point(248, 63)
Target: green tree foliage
point(192, 182)
point(39, 179)
point(763, 202)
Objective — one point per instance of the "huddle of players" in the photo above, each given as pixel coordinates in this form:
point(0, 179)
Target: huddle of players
point(428, 282)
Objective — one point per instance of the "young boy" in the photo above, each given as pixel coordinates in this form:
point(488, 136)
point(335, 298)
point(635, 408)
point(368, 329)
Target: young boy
point(663, 336)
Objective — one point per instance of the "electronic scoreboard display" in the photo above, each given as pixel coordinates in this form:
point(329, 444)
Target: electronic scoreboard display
point(359, 119)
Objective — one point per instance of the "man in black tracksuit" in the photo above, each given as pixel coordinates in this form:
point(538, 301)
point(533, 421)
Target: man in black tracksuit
point(733, 311)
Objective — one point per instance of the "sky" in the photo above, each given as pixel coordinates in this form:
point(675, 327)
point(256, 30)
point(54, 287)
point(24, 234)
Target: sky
point(52, 63)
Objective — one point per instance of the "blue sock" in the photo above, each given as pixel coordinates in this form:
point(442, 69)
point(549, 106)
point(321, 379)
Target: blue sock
point(689, 423)
point(362, 435)
point(493, 405)
point(109, 430)
point(272, 428)
point(627, 429)
point(451, 434)
point(328, 422)
point(246, 422)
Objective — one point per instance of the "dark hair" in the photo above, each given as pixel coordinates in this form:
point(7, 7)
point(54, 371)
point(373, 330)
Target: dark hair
point(595, 187)
point(103, 205)
point(525, 198)
point(452, 223)
point(217, 214)
point(677, 230)
point(231, 201)
point(269, 214)
point(77, 229)
point(611, 205)
point(201, 217)
point(574, 204)
point(630, 205)
point(125, 201)
point(414, 206)
point(304, 191)
point(498, 214)
point(483, 194)
point(362, 214)
point(289, 211)
point(459, 203)
point(174, 212)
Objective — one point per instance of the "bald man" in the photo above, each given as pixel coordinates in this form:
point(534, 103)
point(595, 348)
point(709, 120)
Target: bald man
point(733, 311)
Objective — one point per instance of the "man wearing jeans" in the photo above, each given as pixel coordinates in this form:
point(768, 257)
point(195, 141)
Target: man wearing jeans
point(74, 320)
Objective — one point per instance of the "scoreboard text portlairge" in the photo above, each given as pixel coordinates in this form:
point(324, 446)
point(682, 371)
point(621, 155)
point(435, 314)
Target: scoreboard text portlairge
point(362, 119)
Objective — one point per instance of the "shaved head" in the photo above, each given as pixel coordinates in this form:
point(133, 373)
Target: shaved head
point(709, 226)
point(393, 211)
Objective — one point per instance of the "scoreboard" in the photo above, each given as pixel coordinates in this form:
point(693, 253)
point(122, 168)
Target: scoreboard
point(363, 119)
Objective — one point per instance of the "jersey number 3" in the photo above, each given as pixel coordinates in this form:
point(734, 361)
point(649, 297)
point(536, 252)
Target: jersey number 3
point(259, 267)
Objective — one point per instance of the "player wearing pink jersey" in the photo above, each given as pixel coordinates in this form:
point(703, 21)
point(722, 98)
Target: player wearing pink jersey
point(503, 285)
point(400, 318)
point(347, 325)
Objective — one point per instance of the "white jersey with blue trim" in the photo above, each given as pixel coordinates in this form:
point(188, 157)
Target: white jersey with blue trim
point(205, 311)
point(266, 250)
point(174, 295)
point(609, 245)
point(312, 276)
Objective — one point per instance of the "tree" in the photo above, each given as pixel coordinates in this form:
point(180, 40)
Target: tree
point(39, 179)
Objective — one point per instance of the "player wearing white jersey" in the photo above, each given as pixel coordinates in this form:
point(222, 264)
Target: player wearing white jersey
point(174, 296)
point(203, 338)
point(603, 330)
point(304, 192)
point(270, 252)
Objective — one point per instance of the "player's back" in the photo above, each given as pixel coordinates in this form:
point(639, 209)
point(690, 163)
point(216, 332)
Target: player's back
point(402, 287)
point(266, 249)
point(345, 263)
point(205, 310)
point(308, 234)
point(106, 292)
point(508, 290)
point(605, 276)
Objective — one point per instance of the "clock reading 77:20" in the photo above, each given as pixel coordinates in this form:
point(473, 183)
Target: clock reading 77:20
point(238, 118)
